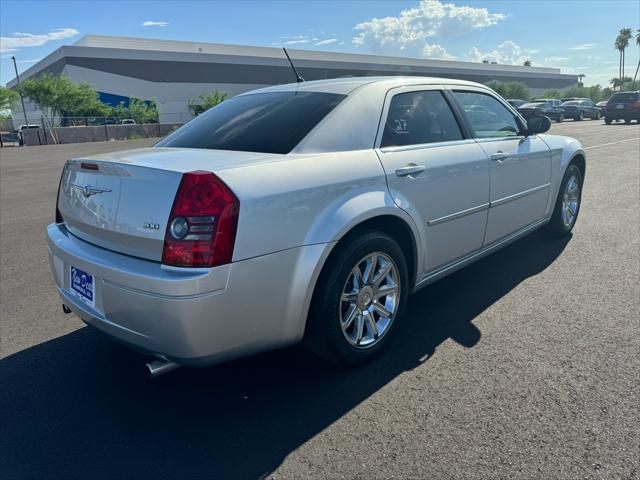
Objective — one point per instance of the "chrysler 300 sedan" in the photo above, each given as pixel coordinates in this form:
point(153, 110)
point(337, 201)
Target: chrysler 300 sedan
point(303, 213)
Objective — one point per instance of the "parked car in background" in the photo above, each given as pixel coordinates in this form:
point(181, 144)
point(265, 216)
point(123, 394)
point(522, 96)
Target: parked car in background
point(579, 109)
point(547, 107)
point(516, 102)
point(602, 106)
point(128, 121)
point(275, 217)
point(22, 128)
point(623, 106)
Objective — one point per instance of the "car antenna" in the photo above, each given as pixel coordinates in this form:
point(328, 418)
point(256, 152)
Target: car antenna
point(299, 78)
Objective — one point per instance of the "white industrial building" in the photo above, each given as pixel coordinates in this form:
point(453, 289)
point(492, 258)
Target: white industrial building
point(173, 72)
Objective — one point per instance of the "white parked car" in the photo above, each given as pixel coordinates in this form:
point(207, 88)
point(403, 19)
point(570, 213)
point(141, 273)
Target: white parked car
point(304, 212)
point(128, 121)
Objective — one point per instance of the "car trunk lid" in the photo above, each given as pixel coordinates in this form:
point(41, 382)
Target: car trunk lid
point(122, 201)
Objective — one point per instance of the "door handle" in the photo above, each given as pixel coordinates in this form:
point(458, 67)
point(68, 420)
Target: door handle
point(410, 170)
point(499, 156)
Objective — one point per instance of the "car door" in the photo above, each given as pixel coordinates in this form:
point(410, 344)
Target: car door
point(435, 172)
point(520, 166)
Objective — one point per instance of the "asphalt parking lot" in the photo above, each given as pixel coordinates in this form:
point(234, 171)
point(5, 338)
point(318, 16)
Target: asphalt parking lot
point(523, 365)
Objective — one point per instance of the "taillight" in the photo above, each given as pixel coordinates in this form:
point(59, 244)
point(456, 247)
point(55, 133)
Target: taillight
point(636, 104)
point(201, 231)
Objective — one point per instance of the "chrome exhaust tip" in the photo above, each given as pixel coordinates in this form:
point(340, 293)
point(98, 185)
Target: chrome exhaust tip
point(160, 366)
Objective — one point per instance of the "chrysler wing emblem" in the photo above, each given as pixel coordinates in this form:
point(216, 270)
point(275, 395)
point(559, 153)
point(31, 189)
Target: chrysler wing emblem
point(88, 190)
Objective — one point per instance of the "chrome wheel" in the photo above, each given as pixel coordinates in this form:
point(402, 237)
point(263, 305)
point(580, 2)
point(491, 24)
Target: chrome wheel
point(370, 300)
point(570, 201)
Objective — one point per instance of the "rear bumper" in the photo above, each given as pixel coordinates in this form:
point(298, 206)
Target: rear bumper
point(635, 115)
point(190, 316)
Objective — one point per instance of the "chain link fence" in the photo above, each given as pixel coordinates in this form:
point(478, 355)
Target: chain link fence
point(46, 131)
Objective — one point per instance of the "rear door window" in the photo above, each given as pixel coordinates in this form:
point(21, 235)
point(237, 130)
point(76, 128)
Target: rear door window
point(421, 117)
point(272, 122)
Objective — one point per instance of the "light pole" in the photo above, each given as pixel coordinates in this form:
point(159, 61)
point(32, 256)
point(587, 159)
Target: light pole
point(24, 110)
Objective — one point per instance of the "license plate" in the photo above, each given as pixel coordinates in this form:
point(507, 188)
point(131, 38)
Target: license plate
point(82, 286)
point(620, 106)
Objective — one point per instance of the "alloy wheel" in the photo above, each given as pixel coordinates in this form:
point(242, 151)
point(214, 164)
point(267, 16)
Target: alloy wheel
point(570, 201)
point(370, 300)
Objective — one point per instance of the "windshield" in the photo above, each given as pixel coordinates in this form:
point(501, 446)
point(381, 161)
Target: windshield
point(264, 122)
point(572, 102)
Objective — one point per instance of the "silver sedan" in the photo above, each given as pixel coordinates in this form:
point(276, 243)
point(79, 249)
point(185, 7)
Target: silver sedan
point(305, 212)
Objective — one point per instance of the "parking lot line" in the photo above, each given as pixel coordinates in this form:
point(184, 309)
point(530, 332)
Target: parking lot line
point(612, 143)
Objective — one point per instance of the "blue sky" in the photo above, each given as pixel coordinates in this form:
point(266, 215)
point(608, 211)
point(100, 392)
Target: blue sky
point(576, 36)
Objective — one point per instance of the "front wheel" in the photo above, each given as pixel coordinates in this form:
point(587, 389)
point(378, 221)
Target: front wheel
point(359, 300)
point(560, 118)
point(567, 207)
point(580, 116)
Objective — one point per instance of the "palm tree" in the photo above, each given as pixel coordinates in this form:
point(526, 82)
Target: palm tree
point(625, 35)
point(638, 67)
point(618, 46)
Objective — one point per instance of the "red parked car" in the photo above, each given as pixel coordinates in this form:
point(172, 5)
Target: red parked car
point(623, 106)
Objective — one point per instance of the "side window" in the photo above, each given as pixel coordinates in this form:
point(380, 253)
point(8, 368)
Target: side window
point(487, 116)
point(415, 118)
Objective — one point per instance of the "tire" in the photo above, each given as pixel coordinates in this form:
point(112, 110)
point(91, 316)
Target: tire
point(579, 117)
point(560, 118)
point(558, 225)
point(627, 121)
point(326, 334)
point(608, 120)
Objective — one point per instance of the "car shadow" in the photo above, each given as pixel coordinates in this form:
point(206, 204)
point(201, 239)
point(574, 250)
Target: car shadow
point(81, 406)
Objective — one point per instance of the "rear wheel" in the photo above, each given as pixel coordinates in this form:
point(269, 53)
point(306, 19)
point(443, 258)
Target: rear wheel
point(580, 116)
point(567, 207)
point(608, 120)
point(359, 300)
point(627, 121)
point(560, 118)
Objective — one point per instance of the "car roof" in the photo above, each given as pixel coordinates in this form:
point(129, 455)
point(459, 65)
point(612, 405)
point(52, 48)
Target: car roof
point(346, 85)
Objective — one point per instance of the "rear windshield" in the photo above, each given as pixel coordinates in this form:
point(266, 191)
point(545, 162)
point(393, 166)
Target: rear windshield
point(624, 97)
point(264, 122)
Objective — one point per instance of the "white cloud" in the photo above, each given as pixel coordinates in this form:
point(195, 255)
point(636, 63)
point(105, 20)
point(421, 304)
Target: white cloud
point(294, 42)
point(584, 46)
point(555, 59)
point(20, 39)
point(153, 23)
point(407, 33)
point(507, 53)
point(31, 60)
point(328, 41)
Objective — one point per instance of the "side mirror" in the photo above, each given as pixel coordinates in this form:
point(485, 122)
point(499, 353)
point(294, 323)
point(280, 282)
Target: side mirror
point(538, 124)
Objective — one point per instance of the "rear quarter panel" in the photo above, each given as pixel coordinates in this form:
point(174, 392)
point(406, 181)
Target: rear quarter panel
point(306, 200)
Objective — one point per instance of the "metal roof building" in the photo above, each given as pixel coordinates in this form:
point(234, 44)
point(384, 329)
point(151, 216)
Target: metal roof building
point(172, 72)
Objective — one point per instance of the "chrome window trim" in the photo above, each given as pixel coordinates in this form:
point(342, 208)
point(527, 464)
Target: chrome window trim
point(419, 146)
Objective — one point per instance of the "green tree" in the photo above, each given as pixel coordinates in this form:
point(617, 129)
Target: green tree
point(142, 111)
point(8, 98)
point(553, 93)
point(510, 89)
point(527, 63)
point(57, 96)
point(205, 102)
